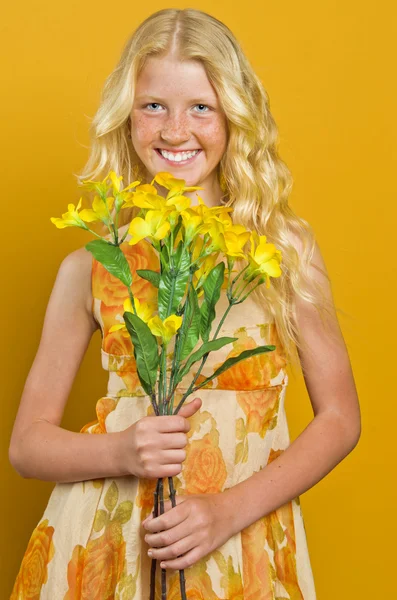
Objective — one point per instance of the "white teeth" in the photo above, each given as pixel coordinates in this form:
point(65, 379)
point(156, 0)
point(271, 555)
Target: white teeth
point(178, 156)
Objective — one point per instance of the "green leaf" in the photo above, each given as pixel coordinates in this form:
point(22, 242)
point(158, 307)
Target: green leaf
point(204, 349)
point(112, 258)
point(230, 362)
point(212, 291)
point(172, 287)
point(145, 350)
point(177, 227)
point(177, 254)
point(190, 330)
point(164, 258)
point(123, 512)
point(111, 496)
point(152, 276)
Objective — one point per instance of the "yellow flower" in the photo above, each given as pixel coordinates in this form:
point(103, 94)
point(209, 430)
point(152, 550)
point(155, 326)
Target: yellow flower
point(116, 184)
point(216, 229)
point(145, 196)
point(264, 259)
point(100, 210)
point(209, 213)
point(235, 238)
point(101, 187)
point(152, 226)
point(178, 203)
point(201, 274)
point(165, 329)
point(174, 185)
point(143, 310)
point(175, 206)
point(192, 223)
point(71, 218)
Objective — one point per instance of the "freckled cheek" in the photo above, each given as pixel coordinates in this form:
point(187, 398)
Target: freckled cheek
point(144, 131)
point(214, 134)
point(215, 137)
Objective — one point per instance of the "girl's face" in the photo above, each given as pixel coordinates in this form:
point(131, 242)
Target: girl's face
point(176, 110)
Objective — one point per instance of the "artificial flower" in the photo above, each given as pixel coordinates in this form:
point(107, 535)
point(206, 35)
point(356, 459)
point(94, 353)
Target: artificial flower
point(143, 310)
point(264, 259)
point(165, 329)
point(100, 210)
point(152, 226)
point(71, 218)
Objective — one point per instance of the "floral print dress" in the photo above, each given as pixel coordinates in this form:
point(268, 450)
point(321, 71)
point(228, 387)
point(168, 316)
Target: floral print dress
point(89, 543)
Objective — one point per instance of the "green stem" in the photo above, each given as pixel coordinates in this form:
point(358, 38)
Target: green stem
point(154, 403)
point(239, 274)
point(132, 300)
point(178, 346)
point(163, 571)
point(250, 292)
point(154, 560)
point(181, 571)
point(164, 369)
point(222, 320)
point(93, 232)
point(203, 361)
point(115, 232)
point(172, 249)
point(160, 383)
point(242, 287)
point(174, 363)
point(200, 257)
point(124, 236)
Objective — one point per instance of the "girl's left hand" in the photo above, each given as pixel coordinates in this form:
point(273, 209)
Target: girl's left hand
point(198, 524)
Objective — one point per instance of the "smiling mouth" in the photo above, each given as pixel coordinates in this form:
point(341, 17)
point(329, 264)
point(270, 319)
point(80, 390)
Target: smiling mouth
point(178, 158)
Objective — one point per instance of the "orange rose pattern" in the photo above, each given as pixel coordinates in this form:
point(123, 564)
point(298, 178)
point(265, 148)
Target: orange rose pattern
point(93, 548)
point(33, 571)
point(94, 572)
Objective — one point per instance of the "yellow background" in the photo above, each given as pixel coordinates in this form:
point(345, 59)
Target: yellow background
point(329, 68)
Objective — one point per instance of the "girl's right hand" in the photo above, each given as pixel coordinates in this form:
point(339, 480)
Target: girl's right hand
point(153, 447)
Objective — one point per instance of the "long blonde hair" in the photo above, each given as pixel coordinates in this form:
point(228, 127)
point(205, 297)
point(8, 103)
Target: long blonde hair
point(256, 182)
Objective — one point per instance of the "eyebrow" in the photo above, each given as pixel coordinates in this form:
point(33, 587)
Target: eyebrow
point(203, 99)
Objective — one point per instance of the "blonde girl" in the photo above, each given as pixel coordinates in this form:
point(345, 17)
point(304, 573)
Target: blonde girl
point(184, 99)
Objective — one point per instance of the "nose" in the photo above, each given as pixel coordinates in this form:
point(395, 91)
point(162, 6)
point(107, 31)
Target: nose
point(175, 130)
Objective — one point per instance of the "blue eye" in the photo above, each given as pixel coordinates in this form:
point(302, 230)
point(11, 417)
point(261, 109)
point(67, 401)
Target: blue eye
point(157, 104)
point(202, 105)
point(151, 103)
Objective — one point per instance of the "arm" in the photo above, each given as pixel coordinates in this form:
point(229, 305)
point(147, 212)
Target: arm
point(39, 447)
point(329, 437)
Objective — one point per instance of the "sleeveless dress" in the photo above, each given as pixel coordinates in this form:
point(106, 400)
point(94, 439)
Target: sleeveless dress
point(89, 543)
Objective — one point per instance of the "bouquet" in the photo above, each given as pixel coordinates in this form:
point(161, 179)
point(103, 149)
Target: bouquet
point(188, 240)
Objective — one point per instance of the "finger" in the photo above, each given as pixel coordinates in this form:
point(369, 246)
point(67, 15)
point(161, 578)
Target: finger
point(174, 550)
point(183, 562)
point(170, 518)
point(170, 536)
point(172, 423)
point(167, 507)
point(189, 408)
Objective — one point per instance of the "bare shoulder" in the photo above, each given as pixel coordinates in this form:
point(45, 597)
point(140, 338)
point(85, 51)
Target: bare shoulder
point(317, 261)
point(306, 312)
point(67, 329)
point(324, 358)
point(76, 271)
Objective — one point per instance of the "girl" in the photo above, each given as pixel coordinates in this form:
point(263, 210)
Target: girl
point(184, 99)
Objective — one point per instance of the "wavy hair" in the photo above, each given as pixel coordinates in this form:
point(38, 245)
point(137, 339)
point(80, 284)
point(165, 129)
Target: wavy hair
point(255, 180)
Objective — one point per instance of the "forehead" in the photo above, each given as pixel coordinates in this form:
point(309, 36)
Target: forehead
point(166, 75)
